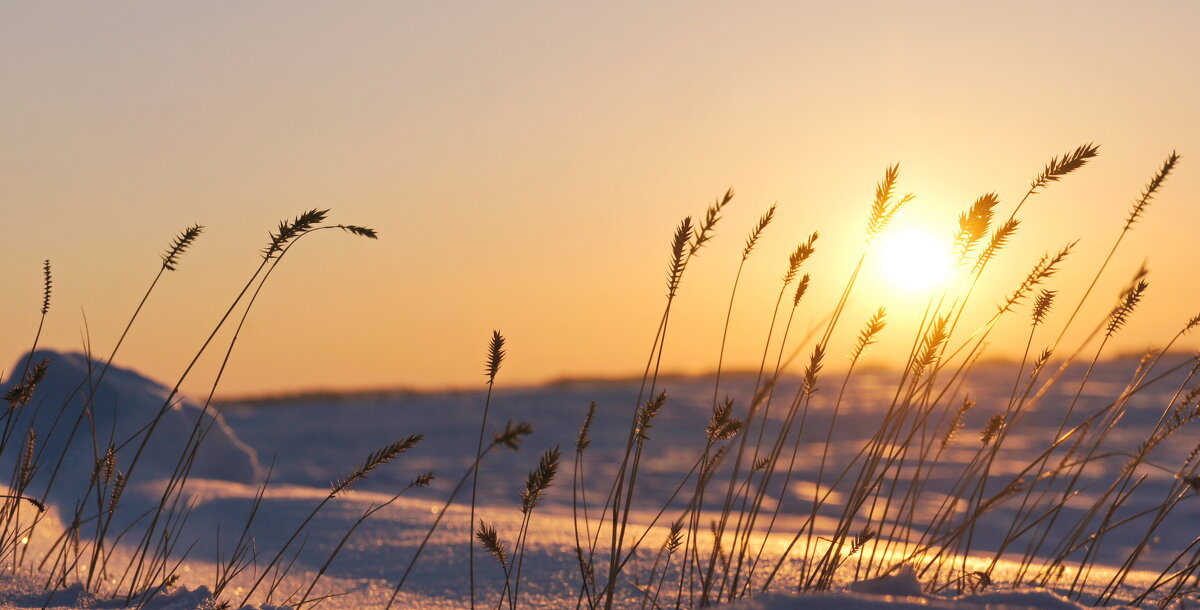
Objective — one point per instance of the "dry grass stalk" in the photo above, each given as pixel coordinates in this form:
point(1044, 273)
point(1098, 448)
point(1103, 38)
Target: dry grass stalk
point(287, 231)
point(999, 239)
point(801, 289)
point(1128, 301)
point(1151, 189)
point(798, 257)
point(869, 334)
point(956, 422)
point(47, 284)
point(540, 479)
point(711, 217)
point(906, 427)
point(490, 540)
point(22, 392)
point(679, 255)
point(722, 425)
point(757, 232)
point(494, 358)
point(583, 441)
point(1061, 166)
point(885, 208)
point(994, 425)
point(973, 225)
point(1041, 307)
point(374, 460)
point(170, 258)
point(647, 414)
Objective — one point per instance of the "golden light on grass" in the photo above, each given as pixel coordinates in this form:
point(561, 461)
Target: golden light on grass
point(914, 259)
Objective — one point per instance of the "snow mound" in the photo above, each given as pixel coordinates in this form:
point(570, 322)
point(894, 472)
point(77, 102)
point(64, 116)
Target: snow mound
point(123, 404)
point(903, 582)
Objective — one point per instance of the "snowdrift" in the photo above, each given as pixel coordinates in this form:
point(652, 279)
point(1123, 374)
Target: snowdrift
point(121, 408)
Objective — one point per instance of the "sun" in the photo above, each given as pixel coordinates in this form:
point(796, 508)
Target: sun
point(914, 259)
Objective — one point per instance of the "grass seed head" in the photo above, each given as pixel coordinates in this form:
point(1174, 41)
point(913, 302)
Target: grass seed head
point(973, 224)
point(757, 232)
point(646, 415)
point(513, 435)
point(491, 543)
point(813, 370)
point(583, 441)
point(801, 288)
point(289, 230)
point(170, 258)
point(997, 242)
point(360, 231)
point(540, 479)
point(495, 356)
point(956, 422)
point(798, 257)
point(674, 537)
point(1061, 166)
point(1129, 300)
point(1041, 306)
point(22, 392)
point(722, 425)
point(376, 459)
point(884, 208)
point(994, 425)
point(711, 217)
point(47, 283)
point(679, 255)
point(1156, 182)
point(868, 336)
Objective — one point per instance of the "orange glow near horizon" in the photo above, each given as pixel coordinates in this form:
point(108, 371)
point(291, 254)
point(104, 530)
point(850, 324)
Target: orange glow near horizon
point(525, 164)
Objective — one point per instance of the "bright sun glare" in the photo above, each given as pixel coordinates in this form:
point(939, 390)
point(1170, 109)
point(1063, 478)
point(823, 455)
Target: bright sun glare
point(914, 259)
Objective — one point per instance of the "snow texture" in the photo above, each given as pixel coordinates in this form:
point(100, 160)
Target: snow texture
point(314, 440)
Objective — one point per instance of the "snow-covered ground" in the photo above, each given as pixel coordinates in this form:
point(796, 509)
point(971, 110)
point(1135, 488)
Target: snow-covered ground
point(309, 441)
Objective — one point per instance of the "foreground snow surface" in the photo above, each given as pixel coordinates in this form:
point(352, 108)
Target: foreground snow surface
point(891, 593)
point(313, 440)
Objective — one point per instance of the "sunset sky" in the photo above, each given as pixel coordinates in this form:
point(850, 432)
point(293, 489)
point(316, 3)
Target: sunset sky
point(526, 163)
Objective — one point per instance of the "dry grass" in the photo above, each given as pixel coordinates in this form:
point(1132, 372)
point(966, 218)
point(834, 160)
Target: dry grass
point(878, 523)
